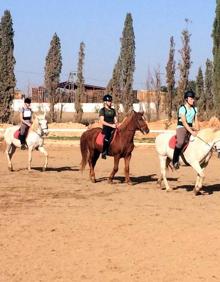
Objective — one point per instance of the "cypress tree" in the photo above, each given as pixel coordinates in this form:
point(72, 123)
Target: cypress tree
point(200, 93)
point(216, 58)
point(209, 88)
point(80, 91)
point(127, 62)
point(170, 74)
point(184, 66)
point(7, 63)
point(116, 86)
point(52, 69)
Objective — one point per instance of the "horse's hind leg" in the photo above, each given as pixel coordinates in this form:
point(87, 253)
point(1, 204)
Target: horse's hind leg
point(93, 157)
point(43, 151)
point(9, 153)
point(164, 162)
point(115, 168)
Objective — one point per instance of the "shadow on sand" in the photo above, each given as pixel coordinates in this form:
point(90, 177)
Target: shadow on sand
point(210, 189)
point(57, 169)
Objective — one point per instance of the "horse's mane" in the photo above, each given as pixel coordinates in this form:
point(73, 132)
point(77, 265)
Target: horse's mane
point(208, 134)
point(35, 124)
point(125, 121)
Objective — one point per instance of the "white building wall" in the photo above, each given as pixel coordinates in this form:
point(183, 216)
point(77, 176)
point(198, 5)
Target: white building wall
point(70, 107)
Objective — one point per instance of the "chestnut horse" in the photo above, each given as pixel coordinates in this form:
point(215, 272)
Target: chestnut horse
point(121, 146)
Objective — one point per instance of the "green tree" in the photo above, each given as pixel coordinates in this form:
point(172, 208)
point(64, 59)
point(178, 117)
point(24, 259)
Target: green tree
point(127, 63)
point(116, 86)
point(191, 85)
point(170, 75)
point(184, 66)
point(216, 58)
point(80, 91)
point(200, 93)
point(209, 88)
point(7, 63)
point(52, 70)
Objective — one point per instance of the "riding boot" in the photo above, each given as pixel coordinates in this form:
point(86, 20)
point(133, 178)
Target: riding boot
point(105, 149)
point(23, 142)
point(176, 155)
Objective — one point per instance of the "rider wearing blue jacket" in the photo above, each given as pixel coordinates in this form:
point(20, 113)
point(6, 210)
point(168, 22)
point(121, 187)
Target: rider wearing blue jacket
point(186, 118)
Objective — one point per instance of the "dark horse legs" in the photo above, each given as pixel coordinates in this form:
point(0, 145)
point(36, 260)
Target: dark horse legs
point(115, 168)
point(93, 157)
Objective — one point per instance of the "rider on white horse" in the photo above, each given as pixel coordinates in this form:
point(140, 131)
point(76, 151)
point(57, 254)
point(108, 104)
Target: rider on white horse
point(186, 118)
point(26, 118)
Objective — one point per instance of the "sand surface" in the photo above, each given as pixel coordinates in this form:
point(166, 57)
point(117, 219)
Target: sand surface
point(58, 226)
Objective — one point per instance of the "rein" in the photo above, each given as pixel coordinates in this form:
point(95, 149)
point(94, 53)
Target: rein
point(208, 143)
point(203, 141)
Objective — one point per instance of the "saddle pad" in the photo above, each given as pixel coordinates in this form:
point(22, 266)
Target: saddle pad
point(100, 139)
point(172, 142)
point(16, 134)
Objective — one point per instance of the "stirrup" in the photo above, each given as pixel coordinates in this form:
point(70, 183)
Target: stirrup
point(23, 147)
point(176, 166)
point(104, 155)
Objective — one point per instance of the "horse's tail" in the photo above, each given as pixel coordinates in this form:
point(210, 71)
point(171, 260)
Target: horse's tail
point(84, 151)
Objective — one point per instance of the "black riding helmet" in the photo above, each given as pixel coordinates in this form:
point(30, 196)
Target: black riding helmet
point(107, 98)
point(190, 94)
point(27, 100)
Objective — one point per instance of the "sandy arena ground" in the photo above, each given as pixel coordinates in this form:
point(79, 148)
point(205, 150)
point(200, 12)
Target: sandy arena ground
point(57, 226)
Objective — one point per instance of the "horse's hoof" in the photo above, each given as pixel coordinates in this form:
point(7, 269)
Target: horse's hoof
point(169, 190)
point(93, 180)
point(196, 192)
point(129, 182)
point(159, 185)
point(110, 181)
point(44, 169)
point(10, 168)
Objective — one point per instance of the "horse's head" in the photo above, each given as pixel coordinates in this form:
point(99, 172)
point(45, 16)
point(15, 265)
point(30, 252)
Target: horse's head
point(41, 123)
point(140, 122)
point(217, 141)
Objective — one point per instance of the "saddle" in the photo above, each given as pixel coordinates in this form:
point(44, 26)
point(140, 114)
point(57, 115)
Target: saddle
point(17, 134)
point(100, 138)
point(172, 143)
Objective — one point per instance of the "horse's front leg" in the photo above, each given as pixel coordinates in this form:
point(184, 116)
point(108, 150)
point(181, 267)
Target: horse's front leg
point(29, 157)
point(43, 151)
point(115, 168)
point(127, 163)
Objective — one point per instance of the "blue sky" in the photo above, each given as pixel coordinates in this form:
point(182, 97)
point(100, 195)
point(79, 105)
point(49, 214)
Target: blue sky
point(99, 24)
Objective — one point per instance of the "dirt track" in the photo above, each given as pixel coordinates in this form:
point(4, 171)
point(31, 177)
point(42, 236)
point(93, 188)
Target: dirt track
point(57, 226)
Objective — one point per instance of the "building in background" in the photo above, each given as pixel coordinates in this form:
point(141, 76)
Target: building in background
point(93, 93)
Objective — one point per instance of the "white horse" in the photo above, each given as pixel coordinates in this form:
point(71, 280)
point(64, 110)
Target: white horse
point(34, 140)
point(197, 154)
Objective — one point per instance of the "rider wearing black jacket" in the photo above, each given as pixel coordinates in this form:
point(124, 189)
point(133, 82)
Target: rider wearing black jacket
point(108, 120)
